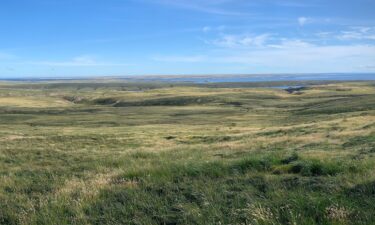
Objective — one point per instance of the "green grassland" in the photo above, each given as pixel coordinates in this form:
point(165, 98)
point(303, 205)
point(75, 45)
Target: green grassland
point(152, 153)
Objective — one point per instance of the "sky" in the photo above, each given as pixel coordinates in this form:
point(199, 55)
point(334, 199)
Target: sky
point(77, 38)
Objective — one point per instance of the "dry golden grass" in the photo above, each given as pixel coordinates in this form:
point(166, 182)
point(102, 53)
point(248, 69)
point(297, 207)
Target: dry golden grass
point(249, 156)
point(33, 102)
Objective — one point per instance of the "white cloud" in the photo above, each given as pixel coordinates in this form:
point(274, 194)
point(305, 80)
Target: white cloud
point(302, 21)
point(241, 40)
point(283, 54)
point(79, 61)
point(324, 35)
point(358, 33)
point(291, 56)
point(368, 67)
point(291, 44)
point(206, 29)
point(209, 28)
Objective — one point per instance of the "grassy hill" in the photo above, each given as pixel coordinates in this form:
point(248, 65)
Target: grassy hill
point(156, 153)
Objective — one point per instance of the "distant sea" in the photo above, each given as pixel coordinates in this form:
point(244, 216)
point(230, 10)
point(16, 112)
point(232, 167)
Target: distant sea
point(222, 78)
point(260, 78)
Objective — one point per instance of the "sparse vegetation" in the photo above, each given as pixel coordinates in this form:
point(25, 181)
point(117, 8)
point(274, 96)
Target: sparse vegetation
point(142, 153)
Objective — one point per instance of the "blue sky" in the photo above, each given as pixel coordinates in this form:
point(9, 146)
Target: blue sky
point(67, 38)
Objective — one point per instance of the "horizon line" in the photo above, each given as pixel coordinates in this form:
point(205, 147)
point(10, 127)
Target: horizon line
point(90, 77)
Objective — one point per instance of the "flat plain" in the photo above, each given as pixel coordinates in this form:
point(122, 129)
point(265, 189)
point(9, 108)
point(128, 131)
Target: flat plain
point(110, 152)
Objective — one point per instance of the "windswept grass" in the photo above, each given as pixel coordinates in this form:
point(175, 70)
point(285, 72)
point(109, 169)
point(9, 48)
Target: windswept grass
point(148, 153)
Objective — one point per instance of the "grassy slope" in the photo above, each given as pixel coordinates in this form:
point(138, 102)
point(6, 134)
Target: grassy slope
point(184, 154)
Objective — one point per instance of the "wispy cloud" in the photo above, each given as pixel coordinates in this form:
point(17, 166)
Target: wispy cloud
point(324, 34)
point(219, 7)
point(246, 40)
point(290, 44)
point(367, 67)
point(302, 21)
point(79, 61)
point(280, 53)
point(358, 33)
point(340, 58)
point(213, 28)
